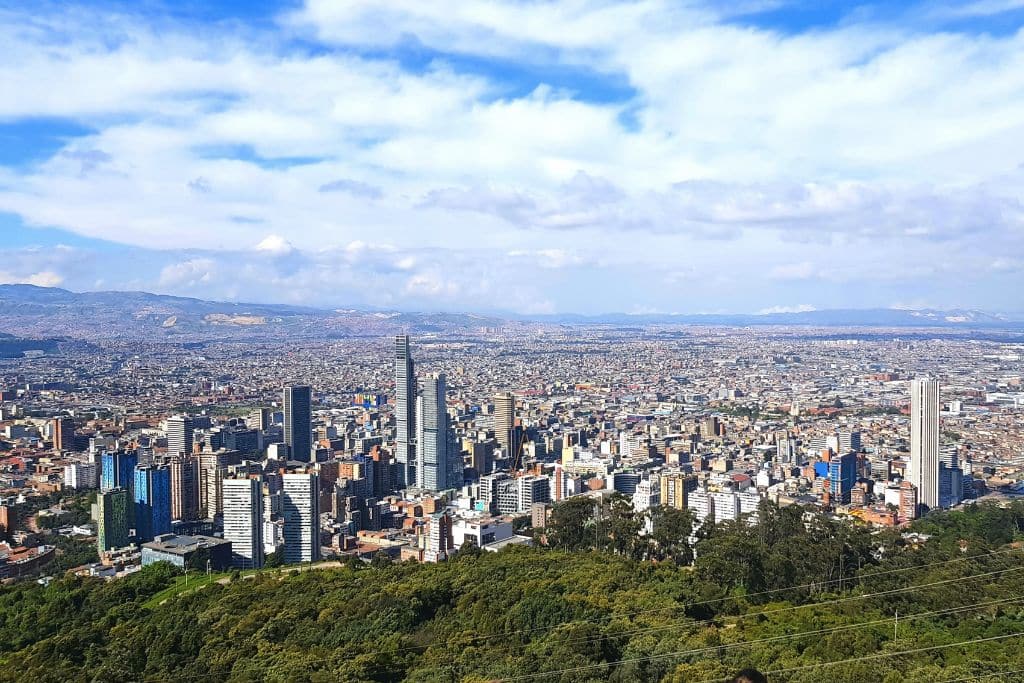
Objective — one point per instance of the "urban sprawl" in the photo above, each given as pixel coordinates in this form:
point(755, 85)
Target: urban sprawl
point(239, 455)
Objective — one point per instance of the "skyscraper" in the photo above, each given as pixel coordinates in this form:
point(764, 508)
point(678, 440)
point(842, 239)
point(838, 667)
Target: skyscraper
point(298, 422)
point(180, 434)
point(300, 507)
point(504, 419)
point(152, 501)
point(63, 434)
point(212, 467)
point(117, 468)
point(436, 452)
point(243, 520)
point(112, 519)
point(405, 412)
point(924, 441)
point(184, 487)
point(842, 475)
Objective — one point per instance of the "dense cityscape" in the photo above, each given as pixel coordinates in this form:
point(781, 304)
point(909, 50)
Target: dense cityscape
point(412, 447)
point(511, 341)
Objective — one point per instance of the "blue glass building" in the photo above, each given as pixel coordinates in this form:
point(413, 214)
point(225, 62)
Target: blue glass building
point(842, 474)
point(118, 469)
point(152, 501)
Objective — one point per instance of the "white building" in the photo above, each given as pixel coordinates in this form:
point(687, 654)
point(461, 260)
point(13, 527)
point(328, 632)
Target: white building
point(647, 494)
point(81, 475)
point(726, 506)
point(481, 531)
point(924, 441)
point(243, 520)
point(533, 489)
point(702, 505)
point(300, 507)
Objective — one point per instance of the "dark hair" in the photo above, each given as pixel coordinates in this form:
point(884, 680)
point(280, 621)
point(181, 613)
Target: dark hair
point(750, 676)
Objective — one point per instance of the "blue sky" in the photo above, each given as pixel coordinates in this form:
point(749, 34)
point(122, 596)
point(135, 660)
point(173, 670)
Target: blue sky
point(518, 155)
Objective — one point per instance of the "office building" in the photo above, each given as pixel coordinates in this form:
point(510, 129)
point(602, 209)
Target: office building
point(907, 501)
point(81, 475)
point(184, 487)
point(504, 420)
point(212, 467)
point(405, 412)
point(533, 489)
point(300, 508)
point(849, 441)
point(63, 429)
point(842, 475)
point(180, 434)
point(298, 422)
point(243, 520)
point(195, 552)
point(675, 487)
point(439, 542)
point(439, 462)
point(152, 501)
point(112, 519)
point(117, 469)
point(924, 441)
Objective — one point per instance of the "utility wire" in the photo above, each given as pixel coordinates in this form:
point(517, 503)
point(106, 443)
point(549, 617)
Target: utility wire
point(727, 646)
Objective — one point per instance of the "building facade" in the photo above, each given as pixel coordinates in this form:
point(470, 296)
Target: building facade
point(405, 412)
point(924, 441)
point(300, 508)
point(298, 422)
point(243, 520)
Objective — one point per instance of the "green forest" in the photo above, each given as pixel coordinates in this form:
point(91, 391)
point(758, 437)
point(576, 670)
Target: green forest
point(796, 595)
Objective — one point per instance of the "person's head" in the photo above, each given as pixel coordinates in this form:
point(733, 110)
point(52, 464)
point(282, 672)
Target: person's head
point(750, 676)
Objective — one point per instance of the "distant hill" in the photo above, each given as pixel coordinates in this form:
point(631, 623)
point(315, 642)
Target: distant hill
point(30, 311)
point(868, 317)
point(34, 312)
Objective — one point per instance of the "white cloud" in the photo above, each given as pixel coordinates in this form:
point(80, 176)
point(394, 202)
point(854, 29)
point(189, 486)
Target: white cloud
point(45, 278)
point(801, 308)
point(275, 244)
point(188, 274)
point(880, 139)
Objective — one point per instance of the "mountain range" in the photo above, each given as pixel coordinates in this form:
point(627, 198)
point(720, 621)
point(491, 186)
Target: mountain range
point(36, 312)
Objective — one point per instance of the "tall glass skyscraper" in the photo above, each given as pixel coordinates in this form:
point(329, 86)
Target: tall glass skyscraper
point(118, 469)
point(437, 470)
point(152, 501)
point(298, 422)
point(405, 412)
point(924, 441)
point(842, 475)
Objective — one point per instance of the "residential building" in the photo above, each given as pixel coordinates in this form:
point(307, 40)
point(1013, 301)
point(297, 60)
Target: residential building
point(300, 507)
point(243, 520)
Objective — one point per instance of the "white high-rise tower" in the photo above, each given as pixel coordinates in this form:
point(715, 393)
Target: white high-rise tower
point(243, 520)
point(924, 441)
point(300, 507)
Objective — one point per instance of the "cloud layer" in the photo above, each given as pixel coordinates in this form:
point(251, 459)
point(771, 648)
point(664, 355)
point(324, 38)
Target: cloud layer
point(581, 155)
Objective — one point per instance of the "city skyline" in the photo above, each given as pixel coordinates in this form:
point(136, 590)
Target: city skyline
point(529, 157)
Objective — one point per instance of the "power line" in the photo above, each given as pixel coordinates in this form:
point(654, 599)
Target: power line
point(727, 646)
point(506, 634)
point(882, 655)
point(753, 614)
point(978, 677)
point(790, 608)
